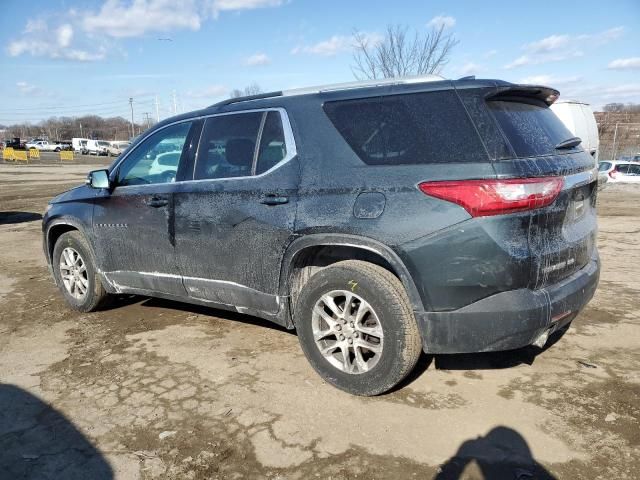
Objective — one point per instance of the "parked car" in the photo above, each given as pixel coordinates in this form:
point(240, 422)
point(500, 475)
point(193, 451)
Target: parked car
point(14, 143)
point(116, 148)
point(579, 119)
point(45, 145)
point(377, 219)
point(620, 172)
point(97, 147)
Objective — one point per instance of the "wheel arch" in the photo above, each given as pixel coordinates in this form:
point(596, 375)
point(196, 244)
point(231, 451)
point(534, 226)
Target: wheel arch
point(59, 226)
point(302, 251)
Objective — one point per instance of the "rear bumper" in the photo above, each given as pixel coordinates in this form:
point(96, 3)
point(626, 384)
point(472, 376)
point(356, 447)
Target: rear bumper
point(508, 320)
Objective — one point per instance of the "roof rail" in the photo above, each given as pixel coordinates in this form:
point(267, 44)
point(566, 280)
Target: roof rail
point(246, 98)
point(363, 84)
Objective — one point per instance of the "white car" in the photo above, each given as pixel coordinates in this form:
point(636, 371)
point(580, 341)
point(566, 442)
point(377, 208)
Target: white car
point(620, 172)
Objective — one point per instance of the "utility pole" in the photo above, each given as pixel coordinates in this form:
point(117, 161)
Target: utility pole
point(80, 129)
point(175, 108)
point(615, 135)
point(133, 132)
point(157, 110)
point(147, 118)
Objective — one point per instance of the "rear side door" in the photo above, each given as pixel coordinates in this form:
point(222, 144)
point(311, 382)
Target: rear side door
point(236, 218)
point(133, 224)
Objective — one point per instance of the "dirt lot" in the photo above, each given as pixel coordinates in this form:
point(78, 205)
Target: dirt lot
point(155, 389)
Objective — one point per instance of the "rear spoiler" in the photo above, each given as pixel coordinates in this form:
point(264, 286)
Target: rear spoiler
point(519, 93)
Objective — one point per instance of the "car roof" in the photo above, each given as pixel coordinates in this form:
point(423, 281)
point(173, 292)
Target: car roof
point(349, 90)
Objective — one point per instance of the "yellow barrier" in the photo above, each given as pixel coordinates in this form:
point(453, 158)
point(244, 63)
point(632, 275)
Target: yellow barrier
point(21, 156)
point(7, 154)
point(34, 153)
point(66, 155)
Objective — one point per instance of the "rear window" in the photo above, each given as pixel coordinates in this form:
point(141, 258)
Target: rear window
point(407, 129)
point(531, 128)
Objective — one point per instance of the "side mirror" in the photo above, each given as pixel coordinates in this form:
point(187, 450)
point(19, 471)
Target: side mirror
point(98, 179)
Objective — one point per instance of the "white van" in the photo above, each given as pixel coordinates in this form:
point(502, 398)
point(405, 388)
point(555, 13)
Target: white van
point(579, 119)
point(79, 144)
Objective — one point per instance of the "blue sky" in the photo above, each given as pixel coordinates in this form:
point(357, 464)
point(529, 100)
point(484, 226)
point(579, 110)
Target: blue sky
point(74, 57)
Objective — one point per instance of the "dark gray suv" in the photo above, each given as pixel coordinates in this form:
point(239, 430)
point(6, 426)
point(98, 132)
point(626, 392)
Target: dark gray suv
point(379, 220)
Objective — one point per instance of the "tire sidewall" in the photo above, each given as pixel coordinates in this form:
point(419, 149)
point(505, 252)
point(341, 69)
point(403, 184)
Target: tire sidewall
point(89, 300)
point(387, 371)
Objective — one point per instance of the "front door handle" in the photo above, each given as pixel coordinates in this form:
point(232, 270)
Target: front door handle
point(272, 199)
point(157, 202)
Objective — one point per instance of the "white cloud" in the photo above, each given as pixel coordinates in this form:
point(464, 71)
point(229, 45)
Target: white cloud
point(625, 64)
point(41, 41)
point(26, 88)
point(134, 18)
point(119, 19)
point(624, 91)
point(236, 5)
point(548, 44)
point(64, 34)
point(471, 68)
point(490, 53)
point(327, 48)
point(211, 91)
point(257, 59)
point(336, 44)
point(559, 47)
point(550, 80)
point(444, 21)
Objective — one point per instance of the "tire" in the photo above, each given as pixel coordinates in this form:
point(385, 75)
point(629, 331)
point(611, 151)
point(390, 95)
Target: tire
point(94, 293)
point(400, 345)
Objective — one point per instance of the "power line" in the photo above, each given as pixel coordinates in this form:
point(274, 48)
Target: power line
point(65, 107)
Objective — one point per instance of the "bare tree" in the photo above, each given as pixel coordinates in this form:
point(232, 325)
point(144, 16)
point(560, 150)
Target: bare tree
point(400, 53)
point(253, 89)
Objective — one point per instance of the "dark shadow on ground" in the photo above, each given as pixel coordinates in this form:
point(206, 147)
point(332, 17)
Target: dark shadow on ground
point(501, 454)
point(38, 442)
point(124, 300)
point(7, 218)
point(479, 361)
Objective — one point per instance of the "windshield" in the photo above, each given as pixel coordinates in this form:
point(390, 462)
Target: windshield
point(531, 128)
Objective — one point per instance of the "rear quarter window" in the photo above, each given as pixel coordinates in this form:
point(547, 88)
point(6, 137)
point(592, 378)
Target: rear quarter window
point(413, 128)
point(530, 126)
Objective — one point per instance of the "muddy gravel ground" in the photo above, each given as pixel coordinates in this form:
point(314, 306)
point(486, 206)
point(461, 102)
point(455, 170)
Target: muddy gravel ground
point(157, 389)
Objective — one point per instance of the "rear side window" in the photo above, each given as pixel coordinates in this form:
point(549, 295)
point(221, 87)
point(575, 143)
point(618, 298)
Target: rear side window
point(405, 129)
point(622, 168)
point(634, 170)
point(604, 166)
point(531, 127)
point(273, 148)
point(227, 146)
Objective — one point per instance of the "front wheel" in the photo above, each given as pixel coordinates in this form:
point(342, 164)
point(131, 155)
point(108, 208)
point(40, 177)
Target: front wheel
point(356, 327)
point(75, 273)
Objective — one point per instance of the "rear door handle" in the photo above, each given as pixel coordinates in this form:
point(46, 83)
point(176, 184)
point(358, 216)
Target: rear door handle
point(272, 199)
point(157, 202)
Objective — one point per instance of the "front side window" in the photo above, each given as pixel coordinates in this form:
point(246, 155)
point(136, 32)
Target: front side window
point(157, 158)
point(228, 146)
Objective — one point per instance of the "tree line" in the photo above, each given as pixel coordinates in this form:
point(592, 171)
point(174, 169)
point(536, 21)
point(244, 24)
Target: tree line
point(66, 128)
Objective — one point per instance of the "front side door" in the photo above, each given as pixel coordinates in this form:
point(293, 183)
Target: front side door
point(133, 224)
point(234, 221)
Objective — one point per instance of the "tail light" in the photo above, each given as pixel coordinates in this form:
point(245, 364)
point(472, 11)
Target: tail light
point(613, 172)
point(496, 197)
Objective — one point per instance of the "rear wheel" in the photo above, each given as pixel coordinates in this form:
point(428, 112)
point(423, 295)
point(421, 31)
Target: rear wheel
point(75, 272)
point(356, 327)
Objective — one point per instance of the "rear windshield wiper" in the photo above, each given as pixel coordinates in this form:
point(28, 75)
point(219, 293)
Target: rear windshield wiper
point(569, 143)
